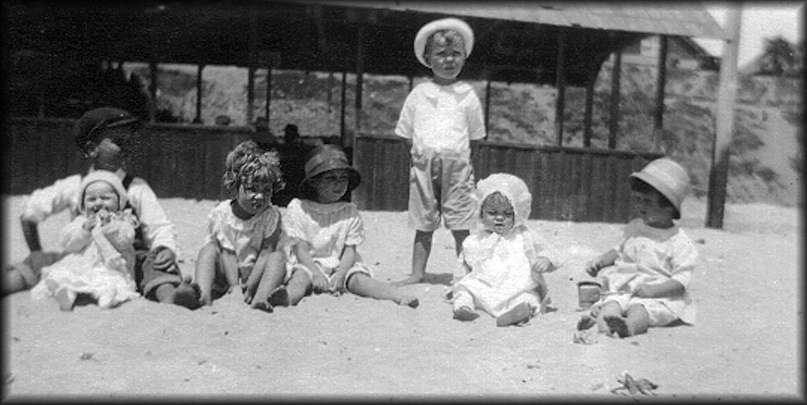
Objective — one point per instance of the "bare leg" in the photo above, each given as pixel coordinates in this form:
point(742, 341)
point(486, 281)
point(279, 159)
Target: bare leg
point(298, 286)
point(459, 236)
point(421, 250)
point(185, 294)
point(206, 264)
point(609, 310)
point(13, 281)
point(65, 298)
point(519, 314)
point(273, 275)
point(365, 286)
point(635, 323)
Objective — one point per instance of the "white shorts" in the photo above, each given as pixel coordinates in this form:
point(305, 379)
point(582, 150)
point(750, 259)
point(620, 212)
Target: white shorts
point(328, 272)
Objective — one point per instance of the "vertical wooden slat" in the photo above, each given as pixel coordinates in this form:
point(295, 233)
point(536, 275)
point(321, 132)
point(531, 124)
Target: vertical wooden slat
point(613, 121)
point(661, 79)
point(198, 118)
point(560, 85)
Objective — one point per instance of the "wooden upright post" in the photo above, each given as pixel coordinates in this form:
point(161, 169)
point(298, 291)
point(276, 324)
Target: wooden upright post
point(268, 92)
point(198, 118)
point(716, 196)
point(252, 55)
point(487, 104)
point(342, 129)
point(589, 107)
point(613, 123)
point(153, 91)
point(560, 85)
point(661, 80)
point(351, 140)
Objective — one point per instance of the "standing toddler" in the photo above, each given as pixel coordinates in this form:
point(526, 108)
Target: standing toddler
point(440, 118)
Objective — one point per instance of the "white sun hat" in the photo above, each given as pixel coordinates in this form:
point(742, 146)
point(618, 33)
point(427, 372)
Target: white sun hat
point(450, 23)
point(669, 178)
point(512, 188)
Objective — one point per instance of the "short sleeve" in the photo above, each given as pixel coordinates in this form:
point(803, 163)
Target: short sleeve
point(355, 231)
point(272, 218)
point(293, 220)
point(476, 118)
point(683, 260)
point(46, 201)
point(404, 128)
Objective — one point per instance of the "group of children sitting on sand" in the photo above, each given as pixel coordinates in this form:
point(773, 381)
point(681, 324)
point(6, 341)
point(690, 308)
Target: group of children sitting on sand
point(120, 244)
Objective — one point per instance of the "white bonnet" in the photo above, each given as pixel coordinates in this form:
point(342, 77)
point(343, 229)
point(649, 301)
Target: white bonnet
point(510, 186)
point(453, 24)
point(108, 177)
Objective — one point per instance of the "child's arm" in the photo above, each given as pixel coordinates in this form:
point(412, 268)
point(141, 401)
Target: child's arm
point(302, 249)
point(45, 202)
point(268, 246)
point(159, 233)
point(683, 261)
point(76, 234)
point(347, 261)
point(606, 259)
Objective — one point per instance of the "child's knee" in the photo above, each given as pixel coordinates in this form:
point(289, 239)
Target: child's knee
point(610, 308)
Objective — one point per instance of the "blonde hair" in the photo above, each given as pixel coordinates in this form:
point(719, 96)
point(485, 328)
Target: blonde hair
point(248, 163)
point(443, 38)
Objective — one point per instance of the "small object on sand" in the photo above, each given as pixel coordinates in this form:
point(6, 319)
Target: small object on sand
point(586, 337)
point(633, 386)
point(86, 356)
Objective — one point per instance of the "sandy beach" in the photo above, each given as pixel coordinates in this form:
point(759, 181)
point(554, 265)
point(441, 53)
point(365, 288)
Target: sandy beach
point(746, 343)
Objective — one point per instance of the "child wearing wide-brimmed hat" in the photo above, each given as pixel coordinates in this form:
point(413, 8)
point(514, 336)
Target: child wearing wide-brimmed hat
point(440, 118)
point(324, 232)
point(646, 276)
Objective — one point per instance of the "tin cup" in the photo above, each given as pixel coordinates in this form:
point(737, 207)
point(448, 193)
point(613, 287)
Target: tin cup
point(588, 292)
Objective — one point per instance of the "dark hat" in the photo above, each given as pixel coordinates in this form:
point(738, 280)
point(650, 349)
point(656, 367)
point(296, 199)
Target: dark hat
point(95, 121)
point(328, 157)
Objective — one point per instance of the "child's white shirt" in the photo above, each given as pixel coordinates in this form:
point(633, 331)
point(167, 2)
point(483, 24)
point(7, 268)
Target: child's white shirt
point(64, 194)
point(441, 119)
point(328, 228)
point(244, 238)
point(650, 255)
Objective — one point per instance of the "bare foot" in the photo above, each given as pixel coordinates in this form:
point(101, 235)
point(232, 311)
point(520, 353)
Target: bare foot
point(65, 298)
point(465, 314)
point(617, 325)
point(408, 300)
point(586, 322)
point(521, 313)
point(412, 279)
point(263, 306)
point(279, 297)
point(186, 295)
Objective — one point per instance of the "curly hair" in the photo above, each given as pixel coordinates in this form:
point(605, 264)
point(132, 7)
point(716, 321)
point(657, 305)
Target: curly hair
point(248, 164)
point(443, 38)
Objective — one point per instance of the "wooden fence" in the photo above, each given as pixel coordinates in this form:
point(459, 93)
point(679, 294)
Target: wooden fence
point(575, 184)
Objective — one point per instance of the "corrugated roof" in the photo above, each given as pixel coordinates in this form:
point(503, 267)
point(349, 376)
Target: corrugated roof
point(687, 19)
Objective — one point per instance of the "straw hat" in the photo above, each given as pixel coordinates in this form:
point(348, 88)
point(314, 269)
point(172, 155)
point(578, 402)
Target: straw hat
point(669, 178)
point(108, 177)
point(443, 24)
point(329, 157)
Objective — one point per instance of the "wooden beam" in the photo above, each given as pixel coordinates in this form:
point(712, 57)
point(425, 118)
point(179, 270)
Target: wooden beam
point(560, 85)
point(588, 111)
point(661, 80)
point(487, 106)
point(613, 122)
point(716, 195)
point(198, 118)
point(342, 132)
point(252, 45)
point(349, 142)
point(153, 90)
point(268, 93)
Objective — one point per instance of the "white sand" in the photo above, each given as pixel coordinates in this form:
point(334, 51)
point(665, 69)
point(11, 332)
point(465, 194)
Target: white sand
point(746, 341)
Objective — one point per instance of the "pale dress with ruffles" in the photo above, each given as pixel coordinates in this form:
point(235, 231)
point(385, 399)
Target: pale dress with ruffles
point(650, 255)
point(100, 263)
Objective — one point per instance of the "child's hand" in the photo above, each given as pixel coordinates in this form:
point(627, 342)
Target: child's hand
point(338, 282)
point(592, 268)
point(164, 259)
point(320, 283)
point(90, 222)
point(542, 265)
